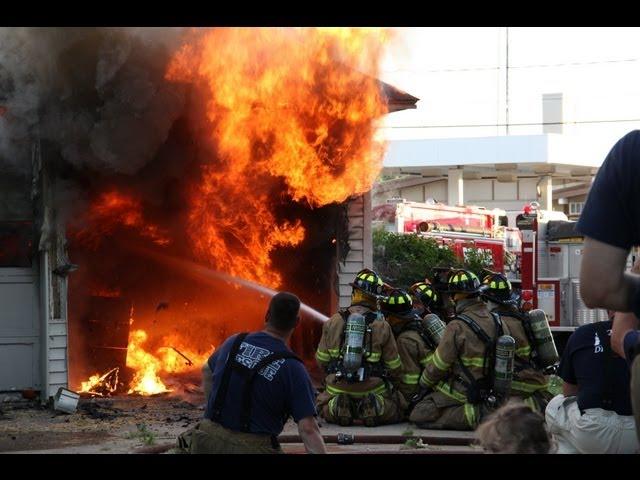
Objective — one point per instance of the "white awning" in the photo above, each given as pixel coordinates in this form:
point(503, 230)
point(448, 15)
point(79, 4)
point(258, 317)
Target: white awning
point(519, 153)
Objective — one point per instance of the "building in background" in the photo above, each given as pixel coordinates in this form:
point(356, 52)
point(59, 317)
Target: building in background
point(504, 172)
point(508, 115)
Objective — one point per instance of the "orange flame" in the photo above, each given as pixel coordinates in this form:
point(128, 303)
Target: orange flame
point(149, 368)
point(101, 384)
point(285, 105)
point(292, 115)
point(114, 209)
point(179, 357)
point(145, 380)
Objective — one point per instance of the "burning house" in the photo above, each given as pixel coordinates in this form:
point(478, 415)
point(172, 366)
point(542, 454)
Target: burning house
point(161, 185)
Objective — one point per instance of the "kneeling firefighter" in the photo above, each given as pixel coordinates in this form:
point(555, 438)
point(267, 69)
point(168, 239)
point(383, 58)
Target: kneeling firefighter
point(444, 306)
point(426, 299)
point(416, 337)
point(469, 373)
point(358, 352)
point(535, 349)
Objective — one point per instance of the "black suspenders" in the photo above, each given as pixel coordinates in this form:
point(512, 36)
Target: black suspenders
point(249, 376)
point(487, 369)
point(226, 377)
point(479, 332)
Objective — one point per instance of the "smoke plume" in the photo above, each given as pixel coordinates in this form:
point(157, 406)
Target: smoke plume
point(98, 94)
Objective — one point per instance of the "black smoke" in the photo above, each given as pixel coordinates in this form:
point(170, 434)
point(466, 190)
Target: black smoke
point(97, 94)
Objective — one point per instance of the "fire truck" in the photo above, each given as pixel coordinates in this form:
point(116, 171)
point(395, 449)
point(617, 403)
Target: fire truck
point(549, 268)
point(459, 228)
point(541, 254)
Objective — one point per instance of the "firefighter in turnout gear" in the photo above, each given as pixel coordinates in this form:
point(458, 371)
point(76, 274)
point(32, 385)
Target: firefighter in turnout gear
point(444, 307)
point(412, 337)
point(359, 354)
point(457, 379)
point(427, 298)
point(529, 383)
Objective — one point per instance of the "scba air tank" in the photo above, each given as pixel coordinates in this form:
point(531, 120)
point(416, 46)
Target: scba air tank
point(503, 370)
point(354, 342)
point(435, 327)
point(545, 346)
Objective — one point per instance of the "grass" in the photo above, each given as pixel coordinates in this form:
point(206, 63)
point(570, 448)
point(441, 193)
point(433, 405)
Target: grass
point(411, 441)
point(144, 434)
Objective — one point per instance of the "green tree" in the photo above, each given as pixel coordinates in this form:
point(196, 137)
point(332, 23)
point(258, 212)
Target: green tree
point(403, 259)
point(477, 260)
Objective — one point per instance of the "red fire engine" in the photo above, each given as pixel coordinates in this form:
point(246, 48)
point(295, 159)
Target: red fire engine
point(544, 252)
point(459, 228)
point(542, 264)
point(549, 268)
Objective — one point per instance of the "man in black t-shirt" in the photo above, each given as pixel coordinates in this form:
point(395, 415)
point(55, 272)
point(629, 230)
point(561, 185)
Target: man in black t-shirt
point(610, 222)
point(256, 384)
point(593, 414)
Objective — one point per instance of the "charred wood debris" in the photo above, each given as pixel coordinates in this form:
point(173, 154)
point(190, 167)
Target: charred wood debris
point(107, 409)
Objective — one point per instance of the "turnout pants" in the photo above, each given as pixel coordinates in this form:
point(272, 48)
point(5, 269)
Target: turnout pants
point(531, 387)
point(438, 411)
point(594, 431)
point(341, 399)
point(211, 437)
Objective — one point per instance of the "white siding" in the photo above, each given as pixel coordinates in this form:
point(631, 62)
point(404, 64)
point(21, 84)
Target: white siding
point(53, 290)
point(55, 340)
point(360, 242)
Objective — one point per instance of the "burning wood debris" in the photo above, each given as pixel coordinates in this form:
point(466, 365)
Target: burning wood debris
point(146, 380)
point(101, 385)
point(233, 148)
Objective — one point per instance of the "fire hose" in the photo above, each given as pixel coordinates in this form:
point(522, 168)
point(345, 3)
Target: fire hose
point(436, 227)
point(351, 439)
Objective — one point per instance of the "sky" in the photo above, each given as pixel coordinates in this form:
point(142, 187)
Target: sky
point(460, 76)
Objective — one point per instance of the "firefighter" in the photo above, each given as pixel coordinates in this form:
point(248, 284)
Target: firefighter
point(444, 307)
point(426, 298)
point(412, 337)
point(529, 383)
point(255, 383)
point(359, 354)
point(455, 382)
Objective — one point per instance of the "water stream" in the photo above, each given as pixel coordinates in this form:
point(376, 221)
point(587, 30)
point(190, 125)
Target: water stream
point(209, 274)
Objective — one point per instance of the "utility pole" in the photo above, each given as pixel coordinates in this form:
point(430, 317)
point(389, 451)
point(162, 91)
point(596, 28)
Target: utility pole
point(507, 81)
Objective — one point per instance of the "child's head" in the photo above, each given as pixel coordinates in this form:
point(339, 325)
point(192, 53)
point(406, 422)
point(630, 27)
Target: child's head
point(514, 428)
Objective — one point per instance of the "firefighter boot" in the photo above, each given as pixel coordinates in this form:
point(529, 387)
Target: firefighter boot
point(371, 409)
point(340, 409)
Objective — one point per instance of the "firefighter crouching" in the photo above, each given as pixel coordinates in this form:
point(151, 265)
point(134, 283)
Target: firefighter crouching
point(529, 384)
point(458, 377)
point(416, 337)
point(427, 300)
point(358, 352)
